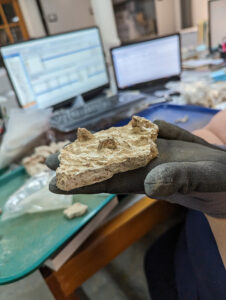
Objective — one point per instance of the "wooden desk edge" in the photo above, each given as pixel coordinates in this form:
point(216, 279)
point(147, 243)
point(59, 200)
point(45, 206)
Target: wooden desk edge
point(107, 242)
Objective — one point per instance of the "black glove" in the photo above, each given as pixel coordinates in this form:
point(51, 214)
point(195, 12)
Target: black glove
point(185, 164)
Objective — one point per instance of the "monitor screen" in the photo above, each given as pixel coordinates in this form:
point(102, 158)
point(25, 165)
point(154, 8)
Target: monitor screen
point(217, 23)
point(50, 70)
point(147, 61)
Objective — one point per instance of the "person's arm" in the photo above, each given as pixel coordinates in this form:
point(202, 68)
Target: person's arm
point(217, 225)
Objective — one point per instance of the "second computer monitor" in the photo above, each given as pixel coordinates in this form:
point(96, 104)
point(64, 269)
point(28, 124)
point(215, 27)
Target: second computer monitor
point(147, 61)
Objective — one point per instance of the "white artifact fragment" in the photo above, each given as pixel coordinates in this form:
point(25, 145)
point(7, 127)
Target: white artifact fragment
point(182, 120)
point(97, 157)
point(76, 210)
point(35, 163)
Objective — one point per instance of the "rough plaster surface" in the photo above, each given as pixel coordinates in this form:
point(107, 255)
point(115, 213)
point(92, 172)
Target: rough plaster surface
point(97, 157)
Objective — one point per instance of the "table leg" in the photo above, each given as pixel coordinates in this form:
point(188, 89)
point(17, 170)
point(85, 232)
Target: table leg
point(56, 290)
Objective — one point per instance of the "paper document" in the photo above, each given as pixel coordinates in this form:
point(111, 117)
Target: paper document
point(196, 63)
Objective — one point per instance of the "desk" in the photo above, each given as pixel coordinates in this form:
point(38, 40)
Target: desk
point(106, 243)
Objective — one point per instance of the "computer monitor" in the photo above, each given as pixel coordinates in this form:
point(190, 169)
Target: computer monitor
point(146, 62)
point(48, 71)
point(217, 23)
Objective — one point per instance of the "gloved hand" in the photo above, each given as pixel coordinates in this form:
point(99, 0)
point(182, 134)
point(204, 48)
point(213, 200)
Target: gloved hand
point(185, 164)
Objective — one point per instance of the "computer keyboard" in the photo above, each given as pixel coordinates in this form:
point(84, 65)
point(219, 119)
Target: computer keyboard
point(69, 119)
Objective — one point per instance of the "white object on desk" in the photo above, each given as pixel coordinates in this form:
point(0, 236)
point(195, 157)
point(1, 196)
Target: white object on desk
point(76, 210)
point(7, 103)
point(189, 38)
point(24, 129)
point(196, 63)
point(4, 82)
point(221, 105)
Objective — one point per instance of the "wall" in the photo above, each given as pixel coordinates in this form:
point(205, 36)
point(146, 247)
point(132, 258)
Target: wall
point(32, 18)
point(218, 23)
point(105, 19)
point(67, 15)
point(186, 14)
point(168, 15)
point(199, 11)
point(71, 14)
point(178, 15)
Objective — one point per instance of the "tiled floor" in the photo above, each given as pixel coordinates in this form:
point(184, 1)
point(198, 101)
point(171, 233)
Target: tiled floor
point(122, 279)
point(31, 288)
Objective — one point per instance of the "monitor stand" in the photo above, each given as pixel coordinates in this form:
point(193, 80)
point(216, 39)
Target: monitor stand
point(78, 101)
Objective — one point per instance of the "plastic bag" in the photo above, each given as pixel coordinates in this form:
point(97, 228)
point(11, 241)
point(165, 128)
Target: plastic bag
point(34, 196)
point(23, 128)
